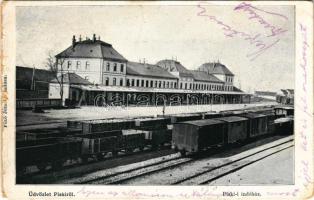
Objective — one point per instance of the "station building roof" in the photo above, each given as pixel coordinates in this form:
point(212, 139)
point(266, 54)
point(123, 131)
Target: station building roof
point(203, 76)
point(72, 78)
point(91, 49)
point(175, 66)
point(147, 70)
point(216, 68)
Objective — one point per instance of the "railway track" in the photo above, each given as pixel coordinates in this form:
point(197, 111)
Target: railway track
point(217, 172)
point(204, 173)
point(162, 166)
point(122, 173)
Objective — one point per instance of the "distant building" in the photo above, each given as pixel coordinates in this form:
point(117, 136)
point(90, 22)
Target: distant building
point(221, 72)
point(267, 95)
point(114, 78)
point(285, 96)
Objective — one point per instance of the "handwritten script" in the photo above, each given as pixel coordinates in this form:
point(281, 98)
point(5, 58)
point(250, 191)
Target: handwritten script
point(203, 192)
point(260, 41)
point(303, 104)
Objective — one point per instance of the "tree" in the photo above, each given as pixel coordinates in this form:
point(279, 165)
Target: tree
point(56, 67)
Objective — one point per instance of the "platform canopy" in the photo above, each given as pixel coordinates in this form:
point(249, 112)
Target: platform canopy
point(150, 90)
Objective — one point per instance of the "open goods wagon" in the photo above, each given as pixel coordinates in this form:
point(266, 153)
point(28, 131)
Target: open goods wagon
point(99, 145)
point(107, 125)
point(284, 111)
point(152, 123)
point(184, 117)
point(155, 138)
point(53, 152)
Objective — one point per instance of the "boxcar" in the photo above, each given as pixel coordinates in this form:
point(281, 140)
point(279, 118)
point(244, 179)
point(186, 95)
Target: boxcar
point(197, 135)
point(257, 124)
point(284, 126)
point(235, 128)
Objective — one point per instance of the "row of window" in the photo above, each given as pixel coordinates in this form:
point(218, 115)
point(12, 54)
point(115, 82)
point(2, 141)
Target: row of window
point(113, 67)
point(151, 83)
point(78, 65)
point(164, 84)
point(228, 79)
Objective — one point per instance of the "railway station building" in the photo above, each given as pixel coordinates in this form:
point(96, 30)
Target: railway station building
point(92, 72)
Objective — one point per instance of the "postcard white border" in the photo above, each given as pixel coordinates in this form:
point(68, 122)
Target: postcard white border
point(303, 187)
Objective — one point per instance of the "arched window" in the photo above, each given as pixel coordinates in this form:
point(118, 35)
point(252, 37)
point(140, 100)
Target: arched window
point(87, 65)
point(78, 64)
point(147, 82)
point(69, 64)
point(121, 67)
point(115, 67)
point(151, 83)
point(106, 81)
point(108, 67)
point(143, 83)
point(121, 82)
point(127, 82)
point(114, 81)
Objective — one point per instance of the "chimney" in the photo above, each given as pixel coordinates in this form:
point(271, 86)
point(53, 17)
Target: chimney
point(99, 38)
point(94, 37)
point(80, 39)
point(73, 41)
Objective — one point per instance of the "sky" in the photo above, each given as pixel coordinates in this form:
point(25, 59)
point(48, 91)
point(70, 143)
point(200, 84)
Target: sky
point(192, 34)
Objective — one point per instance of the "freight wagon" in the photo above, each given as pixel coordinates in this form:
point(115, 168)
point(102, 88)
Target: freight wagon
point(41, 153)
point(197, 135)
point(152, 123)
point(284, 126)
point(235, 129)
point(107, 125)
point(257, 124)
point(184, 117)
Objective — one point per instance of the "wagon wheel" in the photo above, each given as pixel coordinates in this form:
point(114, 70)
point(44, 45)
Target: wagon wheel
point(41, 166)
